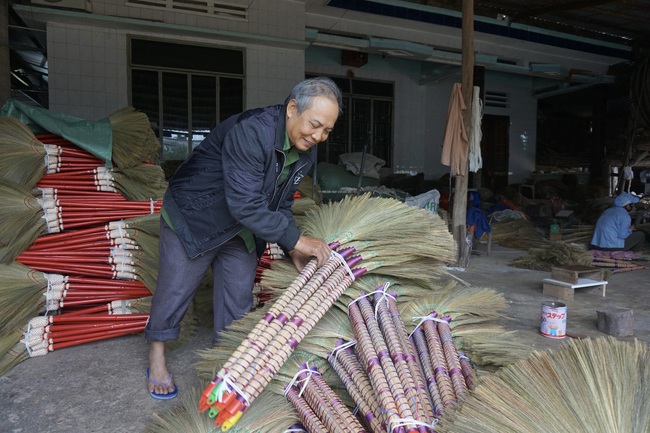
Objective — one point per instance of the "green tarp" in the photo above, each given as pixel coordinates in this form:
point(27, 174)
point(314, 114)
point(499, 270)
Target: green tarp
point(95, 137)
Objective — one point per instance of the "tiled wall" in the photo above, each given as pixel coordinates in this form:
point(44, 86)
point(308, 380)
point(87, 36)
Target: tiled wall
point(87, 70)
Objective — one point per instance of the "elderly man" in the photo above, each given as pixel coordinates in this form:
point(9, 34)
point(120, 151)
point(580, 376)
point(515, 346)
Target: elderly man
point(225, 202)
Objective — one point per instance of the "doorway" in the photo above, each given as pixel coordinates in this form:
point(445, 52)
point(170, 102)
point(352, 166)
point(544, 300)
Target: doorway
point(495, 151)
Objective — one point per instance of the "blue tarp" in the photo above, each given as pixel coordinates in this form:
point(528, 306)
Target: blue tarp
point(95, 137)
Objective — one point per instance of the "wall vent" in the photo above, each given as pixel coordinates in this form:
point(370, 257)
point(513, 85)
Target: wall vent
point(83, 5)
point(217, 9)
point(497, 99)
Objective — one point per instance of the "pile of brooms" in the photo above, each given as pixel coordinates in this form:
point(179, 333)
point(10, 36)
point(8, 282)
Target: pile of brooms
point(388, 241)
point(78, 241)
point(420, 287)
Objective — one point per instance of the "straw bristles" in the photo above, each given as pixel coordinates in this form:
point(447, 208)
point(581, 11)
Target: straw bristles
point(367, 218)
point(133, 140)
point(555, 254)
point(20, 216)
point(586, 386)
point(23, 156)
point(141, 182)
point(268, 413)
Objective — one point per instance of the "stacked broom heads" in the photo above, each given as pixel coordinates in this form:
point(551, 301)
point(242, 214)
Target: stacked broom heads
point(78, 241)
point(396, 243)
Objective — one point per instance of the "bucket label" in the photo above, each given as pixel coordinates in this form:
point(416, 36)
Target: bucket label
point(554, 315)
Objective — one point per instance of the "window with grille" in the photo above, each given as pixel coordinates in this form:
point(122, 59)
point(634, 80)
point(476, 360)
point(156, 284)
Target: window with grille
point(185, 92)
point(366, 121)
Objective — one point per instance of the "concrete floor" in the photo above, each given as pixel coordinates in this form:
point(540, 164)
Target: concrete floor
point(100, 387)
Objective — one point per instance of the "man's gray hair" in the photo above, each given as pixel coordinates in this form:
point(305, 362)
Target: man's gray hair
point(305, 91)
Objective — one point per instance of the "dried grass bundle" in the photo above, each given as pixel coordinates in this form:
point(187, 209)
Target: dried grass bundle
point(555, 254)
point(134, 142)
point(586, 386)
point(23, 156)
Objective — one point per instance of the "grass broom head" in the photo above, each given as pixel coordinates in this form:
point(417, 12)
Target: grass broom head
point(23, 156)
point(20, 219)
point(133, 140)
point(141, 182)
point(586, 386)
point(268, 413)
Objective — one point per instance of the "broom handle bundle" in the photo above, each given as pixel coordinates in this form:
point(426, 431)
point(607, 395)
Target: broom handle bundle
point(306, 414)
point(274, 330)
point(439, 363)
point(356, 381)
point(371, 364)
point(419, 340)
point(412, 359)
point(347, 420)
point(294, 331)
point(390, 370)
point(250, 342)
point(451, 355)
point(235, 400)
point(391, 320)
point(325, 403)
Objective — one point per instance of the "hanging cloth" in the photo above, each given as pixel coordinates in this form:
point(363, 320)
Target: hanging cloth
point(455, 144)
point(475, 135)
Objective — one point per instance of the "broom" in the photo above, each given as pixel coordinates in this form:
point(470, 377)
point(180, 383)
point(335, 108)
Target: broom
point(590, 386)
point(23, 157)
point(134, 142)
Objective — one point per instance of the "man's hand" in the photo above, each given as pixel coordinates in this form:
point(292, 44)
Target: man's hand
point(306, 248)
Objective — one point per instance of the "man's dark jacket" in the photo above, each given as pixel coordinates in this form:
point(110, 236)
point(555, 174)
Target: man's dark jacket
point(230, 181)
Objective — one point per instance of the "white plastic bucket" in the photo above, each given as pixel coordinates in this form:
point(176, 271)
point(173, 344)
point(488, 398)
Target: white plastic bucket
point(554, 315)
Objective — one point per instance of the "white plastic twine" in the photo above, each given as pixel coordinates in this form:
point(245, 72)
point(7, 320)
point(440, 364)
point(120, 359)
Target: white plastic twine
point(343, 263)
point(151, 206)
point(384, 296)
point(403, 422)
point(424, 319)
point(335, 352)
point(304, 381)
point(231, 385)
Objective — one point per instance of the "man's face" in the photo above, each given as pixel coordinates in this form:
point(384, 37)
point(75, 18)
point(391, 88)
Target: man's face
point(312, 125)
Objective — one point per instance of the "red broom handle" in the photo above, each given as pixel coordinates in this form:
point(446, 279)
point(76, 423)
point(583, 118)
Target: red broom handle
point(87, 326)
point(119, 283)
point(61, 336)
point(94, 318)
point(67, 235)
point(106, 336)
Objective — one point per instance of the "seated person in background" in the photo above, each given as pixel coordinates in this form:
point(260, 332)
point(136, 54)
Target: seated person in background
point(614, 230)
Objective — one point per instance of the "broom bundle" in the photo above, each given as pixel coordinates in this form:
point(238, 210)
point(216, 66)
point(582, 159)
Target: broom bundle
point(399, 382)
point(586, 386)
point(113, 251)
point(45, 334)
point(319, 408)
point(134, 142)
point(36, 337)
point(388, 357)
point(142, 182)
point(27, 216)
point(254, 364)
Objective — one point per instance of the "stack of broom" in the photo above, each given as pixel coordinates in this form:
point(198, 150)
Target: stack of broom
point(399, 381)
point(78, 240)
point(319, 408)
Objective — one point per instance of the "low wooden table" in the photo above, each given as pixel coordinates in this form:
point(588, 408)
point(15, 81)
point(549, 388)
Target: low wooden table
point(564, 281)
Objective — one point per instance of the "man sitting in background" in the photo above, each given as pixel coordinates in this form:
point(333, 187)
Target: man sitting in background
point(614, 230)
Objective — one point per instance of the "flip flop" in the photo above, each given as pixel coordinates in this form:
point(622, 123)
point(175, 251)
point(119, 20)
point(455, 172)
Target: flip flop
point(158, 396)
